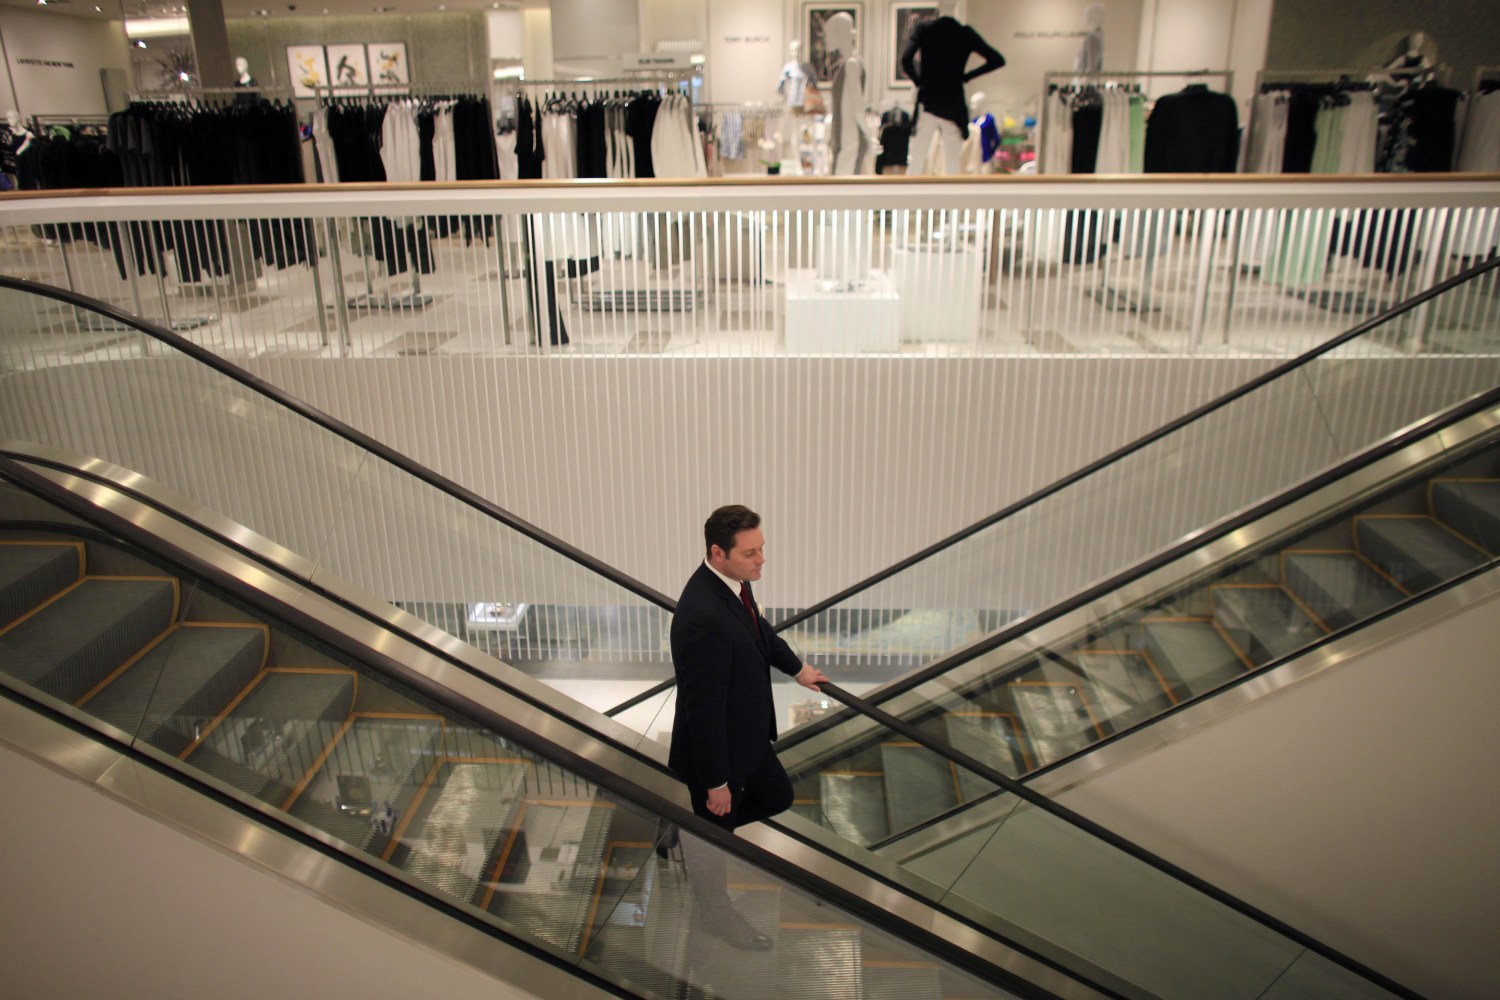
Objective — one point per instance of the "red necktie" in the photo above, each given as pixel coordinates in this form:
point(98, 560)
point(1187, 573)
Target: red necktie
point(749, 604)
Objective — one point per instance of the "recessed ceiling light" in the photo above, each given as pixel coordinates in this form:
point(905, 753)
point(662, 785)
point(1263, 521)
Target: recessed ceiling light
point(140, 44)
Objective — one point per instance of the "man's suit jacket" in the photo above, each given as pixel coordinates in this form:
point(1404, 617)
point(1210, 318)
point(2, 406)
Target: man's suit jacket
point(725, 720)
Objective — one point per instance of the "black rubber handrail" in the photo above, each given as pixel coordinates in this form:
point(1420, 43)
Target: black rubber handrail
point(1042, 802)
point(356, 437)
point(573, 754)
point(1140, 443)
point(989, 643)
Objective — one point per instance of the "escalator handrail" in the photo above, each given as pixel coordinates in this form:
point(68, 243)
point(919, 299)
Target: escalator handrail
point(1081, 822)
point(1140, 443)
point(1005, 636)
point(354, 436)
point(573, 754)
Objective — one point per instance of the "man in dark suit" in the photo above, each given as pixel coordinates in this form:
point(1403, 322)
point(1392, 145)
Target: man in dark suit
point(722, 652)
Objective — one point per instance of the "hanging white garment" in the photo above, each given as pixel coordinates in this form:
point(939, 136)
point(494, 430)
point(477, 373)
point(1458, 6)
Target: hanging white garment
point(328, 163)
point(1267, 143)
point(1057, 144)
point(505, 154)
point(1479, 151)
point(444, 147)
point(1114, 134)
point(1361, 134)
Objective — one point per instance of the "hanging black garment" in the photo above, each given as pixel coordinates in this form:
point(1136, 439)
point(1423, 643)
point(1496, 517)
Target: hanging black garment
point(640, 121)
point(1301, 134)
point(529, 150)
point(1194, 131)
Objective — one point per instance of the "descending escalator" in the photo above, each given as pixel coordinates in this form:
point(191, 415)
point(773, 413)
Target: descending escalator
point(1393, 527)
point(308, 739)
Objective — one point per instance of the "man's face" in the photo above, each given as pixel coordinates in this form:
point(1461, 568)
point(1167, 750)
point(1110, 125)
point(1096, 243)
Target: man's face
point(743, 562)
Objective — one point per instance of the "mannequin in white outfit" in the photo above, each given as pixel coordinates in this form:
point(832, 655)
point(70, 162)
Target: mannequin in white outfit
point(796, 77)
point(849, 136)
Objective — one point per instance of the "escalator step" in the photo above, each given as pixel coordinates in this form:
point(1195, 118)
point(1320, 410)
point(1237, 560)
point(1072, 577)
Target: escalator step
point(277, 732)
point(919, 785)
point(1058, 718)
point(854, 805)
point(818, 962)
point(1339, 587)
point(459, 823)
point(549, 869)
point(1470, 507)
point(902, 981)
point(1417, 552)
point(1193, 652)
point(990, 738)
point(716, 969)
point(181, 683)
point(1125, 689)
point(377, 761)
point(69, 645)
point(31, 572)
point(1265, 620)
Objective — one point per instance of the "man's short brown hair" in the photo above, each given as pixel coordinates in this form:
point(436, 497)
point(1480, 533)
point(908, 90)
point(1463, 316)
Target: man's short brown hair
point(724, 524)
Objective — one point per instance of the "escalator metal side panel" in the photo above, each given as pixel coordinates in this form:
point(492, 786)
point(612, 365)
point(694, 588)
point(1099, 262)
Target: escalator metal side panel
point(158, 795)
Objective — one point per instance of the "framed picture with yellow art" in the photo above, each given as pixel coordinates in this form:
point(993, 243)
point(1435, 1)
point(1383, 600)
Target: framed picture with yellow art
point(308, 68)
point(388, 64)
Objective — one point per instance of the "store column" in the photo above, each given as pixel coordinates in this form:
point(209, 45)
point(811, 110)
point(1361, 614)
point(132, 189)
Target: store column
point(210, 43)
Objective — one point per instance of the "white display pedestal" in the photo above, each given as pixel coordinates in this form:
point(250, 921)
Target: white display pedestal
point(820, 320)
point(941, 292)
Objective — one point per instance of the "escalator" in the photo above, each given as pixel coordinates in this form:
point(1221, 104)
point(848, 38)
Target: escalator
point(201, 665)
point(1418, 515)
point(287, 697)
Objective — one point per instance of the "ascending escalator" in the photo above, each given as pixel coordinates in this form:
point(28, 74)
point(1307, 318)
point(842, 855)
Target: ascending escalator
point(1417, 515)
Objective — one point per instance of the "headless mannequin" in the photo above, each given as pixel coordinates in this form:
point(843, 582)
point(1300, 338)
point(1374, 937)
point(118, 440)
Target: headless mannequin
point(935, 58)
point(1090, 57)
point(849, 141)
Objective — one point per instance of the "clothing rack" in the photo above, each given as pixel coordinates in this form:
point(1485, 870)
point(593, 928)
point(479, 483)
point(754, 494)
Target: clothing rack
point(1053, 80)
point(198, 93)
point(465, 88)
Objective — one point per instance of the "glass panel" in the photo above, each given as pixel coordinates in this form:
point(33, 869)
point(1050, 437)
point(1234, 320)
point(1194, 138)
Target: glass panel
point(1252, 449)
point(358, 518)
point(401, 782)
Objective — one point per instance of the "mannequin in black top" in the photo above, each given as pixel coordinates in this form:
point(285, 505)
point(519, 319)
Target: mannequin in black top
point(936, 55)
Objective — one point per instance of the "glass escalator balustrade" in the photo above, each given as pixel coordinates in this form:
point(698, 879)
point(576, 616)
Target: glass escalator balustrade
point(1021, 711)
point(261, 712)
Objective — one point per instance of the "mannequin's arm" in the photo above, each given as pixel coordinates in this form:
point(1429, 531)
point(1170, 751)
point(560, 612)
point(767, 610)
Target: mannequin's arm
point(993, 60)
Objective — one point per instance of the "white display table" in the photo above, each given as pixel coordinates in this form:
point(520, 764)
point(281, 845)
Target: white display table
point(941, 292)
point(826, 316)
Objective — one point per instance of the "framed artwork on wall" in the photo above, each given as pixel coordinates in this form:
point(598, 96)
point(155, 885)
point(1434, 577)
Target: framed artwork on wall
point(308, 67)
point(814, 45)
point(905, 17)
point(347, 66)
point(388, 64)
